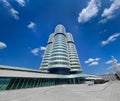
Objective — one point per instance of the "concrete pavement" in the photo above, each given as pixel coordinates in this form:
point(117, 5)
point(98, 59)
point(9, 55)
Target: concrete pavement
point(101, 92)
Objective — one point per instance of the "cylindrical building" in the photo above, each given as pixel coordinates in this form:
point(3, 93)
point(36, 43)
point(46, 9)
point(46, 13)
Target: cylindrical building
point(47, 54)
point(59, 60)
point(73, 57)
point(60, 55)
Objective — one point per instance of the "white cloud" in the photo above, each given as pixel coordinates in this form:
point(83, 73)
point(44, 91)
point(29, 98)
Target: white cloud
point(14, 13)
point(110, 39)
point(89, 60)
point(31, 25)
point(97, 59)
point(6, 3)
point(111, 61)
point(108, 62)
point(2, 45)
point(42, 48)
point(90, 11)
point(93, 63)
point(109, 13)
point(92, 60)
point(36, 51)
point(22, 2)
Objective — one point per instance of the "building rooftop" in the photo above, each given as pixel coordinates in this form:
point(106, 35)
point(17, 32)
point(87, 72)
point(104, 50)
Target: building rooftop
point(9, 71)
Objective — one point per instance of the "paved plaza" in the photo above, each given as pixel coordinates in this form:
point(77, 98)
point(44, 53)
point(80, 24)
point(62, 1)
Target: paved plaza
point(101, 92)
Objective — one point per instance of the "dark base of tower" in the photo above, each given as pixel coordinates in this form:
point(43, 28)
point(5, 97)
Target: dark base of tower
point(75, 72)
point(59, 70)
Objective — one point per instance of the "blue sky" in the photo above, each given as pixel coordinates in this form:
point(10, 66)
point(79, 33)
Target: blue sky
point(25, 26)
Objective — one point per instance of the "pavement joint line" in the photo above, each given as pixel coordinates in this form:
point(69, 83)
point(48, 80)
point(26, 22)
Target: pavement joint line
point(106, 86)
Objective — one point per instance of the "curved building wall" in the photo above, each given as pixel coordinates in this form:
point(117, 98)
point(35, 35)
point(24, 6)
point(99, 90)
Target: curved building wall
point(47, 54)
point(73, 57)
point(60, 29)
point(61, 55)
point(59, 61)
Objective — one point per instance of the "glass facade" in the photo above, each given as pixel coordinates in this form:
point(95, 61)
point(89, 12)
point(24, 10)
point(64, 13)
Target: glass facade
point(61, 55)
point(7, 83)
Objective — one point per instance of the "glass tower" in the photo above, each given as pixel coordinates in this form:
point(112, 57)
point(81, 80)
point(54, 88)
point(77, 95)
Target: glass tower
point(60, 55)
